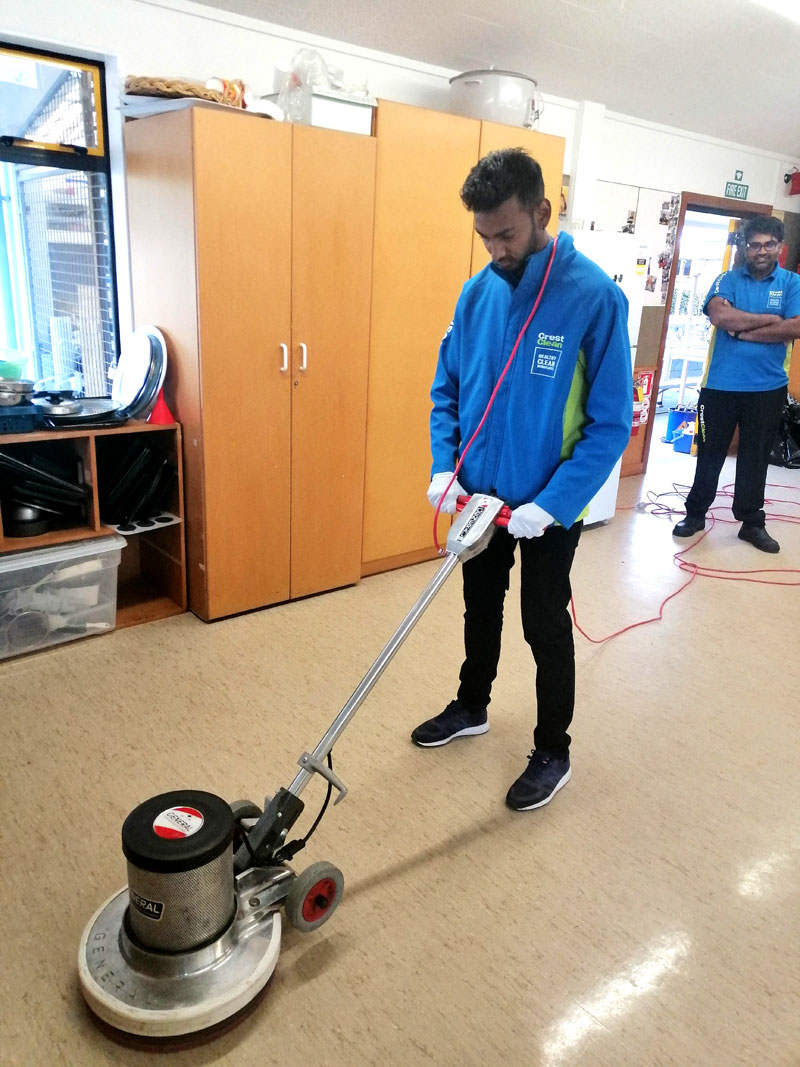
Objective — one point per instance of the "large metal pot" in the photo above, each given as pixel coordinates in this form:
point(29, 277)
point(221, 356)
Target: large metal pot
point(496, 95)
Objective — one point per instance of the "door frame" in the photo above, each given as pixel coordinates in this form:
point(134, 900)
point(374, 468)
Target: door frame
point(710, 205)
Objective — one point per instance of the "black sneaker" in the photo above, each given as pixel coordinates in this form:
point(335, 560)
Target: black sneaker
point(539, 782)
point(692, 524)
point(758, 536)
point(455, 721)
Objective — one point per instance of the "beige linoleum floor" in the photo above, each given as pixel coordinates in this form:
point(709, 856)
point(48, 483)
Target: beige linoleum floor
point(649, 916)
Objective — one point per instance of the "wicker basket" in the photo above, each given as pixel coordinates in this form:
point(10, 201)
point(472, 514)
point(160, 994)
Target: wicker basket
point(170, 87)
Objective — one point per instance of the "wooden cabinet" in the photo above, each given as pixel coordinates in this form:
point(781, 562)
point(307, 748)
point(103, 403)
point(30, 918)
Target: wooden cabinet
point(423, 241)
point(545, 148)
point(794, 371)
point(251, 247)
point(152, 571)
point(425, 249)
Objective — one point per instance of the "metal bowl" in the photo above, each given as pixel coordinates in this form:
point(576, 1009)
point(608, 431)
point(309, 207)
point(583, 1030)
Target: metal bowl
point(15, 391)
point(17, 385)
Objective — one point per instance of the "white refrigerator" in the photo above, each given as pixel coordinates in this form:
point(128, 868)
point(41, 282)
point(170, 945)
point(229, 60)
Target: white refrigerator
point(621, 255)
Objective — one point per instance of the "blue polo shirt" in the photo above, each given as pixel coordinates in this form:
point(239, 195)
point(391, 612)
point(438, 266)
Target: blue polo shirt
point(752, 366)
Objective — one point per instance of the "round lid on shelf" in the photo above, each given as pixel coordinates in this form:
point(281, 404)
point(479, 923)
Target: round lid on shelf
point(140, 372)
point(59, 404)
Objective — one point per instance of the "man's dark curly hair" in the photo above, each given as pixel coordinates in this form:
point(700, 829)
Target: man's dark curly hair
point(501, 175)
point(763, 224)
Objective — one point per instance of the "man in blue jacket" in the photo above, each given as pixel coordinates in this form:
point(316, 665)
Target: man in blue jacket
point(756, 316)
point(559, 423)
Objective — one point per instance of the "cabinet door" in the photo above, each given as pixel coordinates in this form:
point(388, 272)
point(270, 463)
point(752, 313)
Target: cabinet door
point(423, 242)
point(546, 149)
point(332, 216)
point(242, 183)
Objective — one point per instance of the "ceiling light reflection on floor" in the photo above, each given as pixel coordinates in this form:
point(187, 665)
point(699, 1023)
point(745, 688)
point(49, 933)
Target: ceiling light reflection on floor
point(761, 877)
point(614, 997)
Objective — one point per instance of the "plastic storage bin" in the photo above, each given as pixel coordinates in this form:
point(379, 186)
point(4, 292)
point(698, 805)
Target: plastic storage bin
point(51, 595)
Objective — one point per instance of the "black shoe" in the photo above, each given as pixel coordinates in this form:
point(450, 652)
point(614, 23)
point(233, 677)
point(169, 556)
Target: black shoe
point(455, 721)
point(692, 524)
point(539, 782)
point(758, 536)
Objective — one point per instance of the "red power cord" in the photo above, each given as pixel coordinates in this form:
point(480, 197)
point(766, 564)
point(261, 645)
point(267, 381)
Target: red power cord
point(439, 548)
point(696, 569)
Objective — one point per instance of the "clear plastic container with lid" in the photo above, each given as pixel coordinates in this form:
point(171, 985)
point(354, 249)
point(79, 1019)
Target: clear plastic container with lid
point(51, 595)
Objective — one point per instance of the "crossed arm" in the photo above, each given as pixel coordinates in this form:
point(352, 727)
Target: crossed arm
point(750, 326)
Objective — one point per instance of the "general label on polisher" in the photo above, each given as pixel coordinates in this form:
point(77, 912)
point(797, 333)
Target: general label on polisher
point(153, 909)
point(178, 822)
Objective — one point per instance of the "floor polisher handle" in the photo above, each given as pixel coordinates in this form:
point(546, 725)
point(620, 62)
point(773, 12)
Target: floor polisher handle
point(469, 535)
point(502, 517)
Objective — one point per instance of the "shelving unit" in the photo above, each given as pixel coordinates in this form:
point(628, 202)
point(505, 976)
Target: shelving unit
point(152, 572)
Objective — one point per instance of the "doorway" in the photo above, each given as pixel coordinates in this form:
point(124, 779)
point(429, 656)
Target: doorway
point(706, 244)
point(705, 248)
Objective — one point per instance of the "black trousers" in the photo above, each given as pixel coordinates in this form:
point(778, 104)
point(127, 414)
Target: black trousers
point(546, 624)
point(718, 414)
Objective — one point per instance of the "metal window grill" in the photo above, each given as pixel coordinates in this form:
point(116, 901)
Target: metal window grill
point(66, 227)
point(66, 114)
point(60, 252)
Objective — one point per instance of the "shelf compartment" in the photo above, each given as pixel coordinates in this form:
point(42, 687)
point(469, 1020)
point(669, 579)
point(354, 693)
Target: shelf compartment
point(152, 569)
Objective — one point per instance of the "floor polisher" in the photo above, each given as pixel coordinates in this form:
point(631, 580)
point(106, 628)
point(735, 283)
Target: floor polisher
point(194, 937)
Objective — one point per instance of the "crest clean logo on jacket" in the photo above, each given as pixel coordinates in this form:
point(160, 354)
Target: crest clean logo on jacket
point(546, 354)
point(775, 298)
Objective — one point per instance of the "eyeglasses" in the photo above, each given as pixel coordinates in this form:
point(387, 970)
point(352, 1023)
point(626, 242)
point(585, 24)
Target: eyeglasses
point(763, 246)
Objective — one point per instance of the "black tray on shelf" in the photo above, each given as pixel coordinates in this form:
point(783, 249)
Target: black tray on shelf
point(133, 478)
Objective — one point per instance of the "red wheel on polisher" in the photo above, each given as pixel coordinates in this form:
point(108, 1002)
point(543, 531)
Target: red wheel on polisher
point(319, 899)
point(314, 896)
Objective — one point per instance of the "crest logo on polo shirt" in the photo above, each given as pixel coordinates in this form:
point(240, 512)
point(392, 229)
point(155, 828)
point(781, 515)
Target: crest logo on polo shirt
point(546, 354)
point(775, 298)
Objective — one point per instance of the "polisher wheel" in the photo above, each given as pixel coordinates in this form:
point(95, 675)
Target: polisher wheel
point(313, 896)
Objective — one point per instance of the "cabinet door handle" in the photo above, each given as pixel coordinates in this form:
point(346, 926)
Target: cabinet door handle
point(303, 356)
point(285, 360)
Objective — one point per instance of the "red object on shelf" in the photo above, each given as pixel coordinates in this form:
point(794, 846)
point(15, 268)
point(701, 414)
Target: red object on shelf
point(161, 415)
point(793, 183)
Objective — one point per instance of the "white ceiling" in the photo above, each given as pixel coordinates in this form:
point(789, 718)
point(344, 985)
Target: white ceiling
point(725, 68)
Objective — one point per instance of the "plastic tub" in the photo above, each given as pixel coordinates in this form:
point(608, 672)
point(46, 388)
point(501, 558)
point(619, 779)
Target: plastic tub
point(52, 595)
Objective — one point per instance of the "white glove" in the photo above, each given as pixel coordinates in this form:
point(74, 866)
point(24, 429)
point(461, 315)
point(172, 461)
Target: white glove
point(438, 486)
point(529, 520)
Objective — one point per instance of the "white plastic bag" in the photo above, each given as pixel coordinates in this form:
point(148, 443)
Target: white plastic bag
point(308, 71)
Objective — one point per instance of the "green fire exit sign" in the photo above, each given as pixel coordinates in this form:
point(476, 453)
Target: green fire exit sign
point(736, 191)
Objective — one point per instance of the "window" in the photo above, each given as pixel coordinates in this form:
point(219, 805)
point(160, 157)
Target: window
point(57, 284)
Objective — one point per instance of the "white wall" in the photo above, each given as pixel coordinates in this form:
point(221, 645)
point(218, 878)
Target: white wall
point(177, 38)
point(660, 157)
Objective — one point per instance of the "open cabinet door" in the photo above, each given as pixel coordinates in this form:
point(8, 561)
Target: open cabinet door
point(634, 461)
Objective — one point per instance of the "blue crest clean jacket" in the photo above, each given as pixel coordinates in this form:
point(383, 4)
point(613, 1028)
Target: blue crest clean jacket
point(563, 415)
